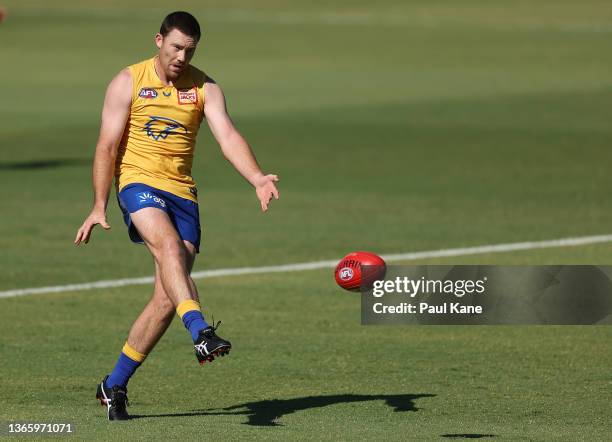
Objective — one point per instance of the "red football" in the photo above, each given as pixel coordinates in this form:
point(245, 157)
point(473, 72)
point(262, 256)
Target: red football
point(349, 273)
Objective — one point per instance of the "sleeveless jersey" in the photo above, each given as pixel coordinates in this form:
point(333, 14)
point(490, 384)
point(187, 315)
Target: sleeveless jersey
point(159, 137)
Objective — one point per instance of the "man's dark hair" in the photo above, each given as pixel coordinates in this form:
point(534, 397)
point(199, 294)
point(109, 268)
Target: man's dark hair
point(184, 22)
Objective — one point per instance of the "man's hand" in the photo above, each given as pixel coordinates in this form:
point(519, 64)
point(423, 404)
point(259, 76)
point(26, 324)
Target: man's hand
point(266, 189)
point(95, 217)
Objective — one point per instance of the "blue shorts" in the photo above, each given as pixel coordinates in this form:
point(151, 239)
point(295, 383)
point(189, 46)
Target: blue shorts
point(183, 213)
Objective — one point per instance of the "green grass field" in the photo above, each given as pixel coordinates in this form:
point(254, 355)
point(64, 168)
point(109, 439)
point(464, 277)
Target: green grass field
point(399, 127)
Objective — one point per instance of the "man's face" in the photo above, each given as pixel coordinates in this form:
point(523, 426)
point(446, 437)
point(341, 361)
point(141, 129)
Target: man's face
point(175, 52)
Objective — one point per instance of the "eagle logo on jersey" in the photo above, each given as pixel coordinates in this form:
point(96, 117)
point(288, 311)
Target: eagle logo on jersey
point(161, 127)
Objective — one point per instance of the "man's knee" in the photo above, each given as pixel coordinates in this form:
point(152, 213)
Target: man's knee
point(190, 253)
point(162, 303)
point(163, 306)
point(171, 249)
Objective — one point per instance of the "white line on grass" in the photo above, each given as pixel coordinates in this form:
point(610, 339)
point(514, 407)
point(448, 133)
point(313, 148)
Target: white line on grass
point(463, 251)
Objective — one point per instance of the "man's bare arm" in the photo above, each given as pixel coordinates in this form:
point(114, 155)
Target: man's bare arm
point(114, 116)
point(234, 146)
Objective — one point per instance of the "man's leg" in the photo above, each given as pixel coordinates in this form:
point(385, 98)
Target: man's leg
point(153, 320)
point(159, 312)
point(171, 254)
point(174, 260)
point(146, 331)
point(148, 328)
point(144, 334)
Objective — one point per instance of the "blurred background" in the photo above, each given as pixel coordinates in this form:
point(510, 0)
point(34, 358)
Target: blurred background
point(395, 126)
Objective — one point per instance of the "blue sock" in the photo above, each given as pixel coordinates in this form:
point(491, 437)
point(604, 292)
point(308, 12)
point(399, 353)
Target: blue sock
point(125, 367)
point(194, 322)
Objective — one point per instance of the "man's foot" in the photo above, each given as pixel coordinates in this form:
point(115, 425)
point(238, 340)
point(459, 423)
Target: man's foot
point(210, 345)
point(115, 400)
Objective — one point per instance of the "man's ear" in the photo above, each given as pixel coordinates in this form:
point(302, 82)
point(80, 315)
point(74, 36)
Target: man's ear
point(159, 40)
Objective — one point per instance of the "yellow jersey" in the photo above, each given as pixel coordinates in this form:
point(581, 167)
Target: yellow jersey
point(159, 137)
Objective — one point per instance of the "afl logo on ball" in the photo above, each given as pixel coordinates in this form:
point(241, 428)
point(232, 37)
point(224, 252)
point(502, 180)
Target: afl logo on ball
point(346, 273)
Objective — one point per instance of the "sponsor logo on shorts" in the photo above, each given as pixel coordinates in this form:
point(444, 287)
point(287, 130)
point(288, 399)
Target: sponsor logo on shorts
point(147, 92)
point(161, 127)
point(146, 197)
point(346, 273)
point(188, 96)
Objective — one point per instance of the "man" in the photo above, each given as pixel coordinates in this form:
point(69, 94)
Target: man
point(150, 120)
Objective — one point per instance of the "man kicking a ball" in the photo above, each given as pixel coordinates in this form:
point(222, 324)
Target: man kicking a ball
point(150, 120)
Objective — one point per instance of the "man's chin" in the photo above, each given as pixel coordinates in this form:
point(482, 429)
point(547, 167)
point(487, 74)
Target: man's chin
point(175, 73)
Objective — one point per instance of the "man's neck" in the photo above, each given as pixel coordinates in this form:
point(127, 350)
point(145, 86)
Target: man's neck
point(161, 74)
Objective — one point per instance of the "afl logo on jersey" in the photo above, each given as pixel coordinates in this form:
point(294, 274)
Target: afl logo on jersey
point(161, 127)
point(147, 92)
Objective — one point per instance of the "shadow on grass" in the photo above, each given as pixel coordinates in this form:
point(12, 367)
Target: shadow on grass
point(268, 412)
point(45, 164)
point(467, 435)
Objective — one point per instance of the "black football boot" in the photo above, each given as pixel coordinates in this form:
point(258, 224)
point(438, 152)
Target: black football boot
point(208, 345)
point(115, 400)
